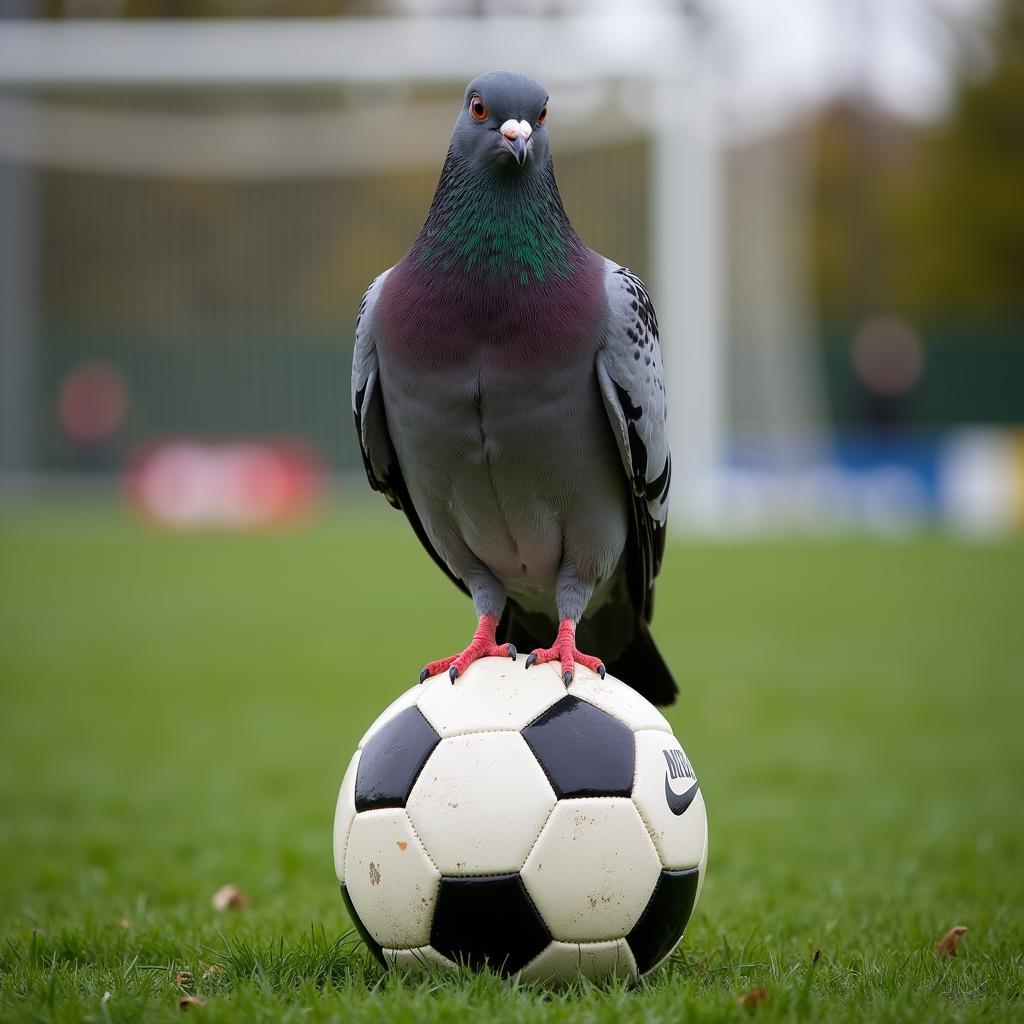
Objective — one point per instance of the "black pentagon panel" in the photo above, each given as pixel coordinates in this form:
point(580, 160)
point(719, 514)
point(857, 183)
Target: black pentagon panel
point(371, 943)
point(583, 750)
point(393, 759)
point(488, 919)
point(664, 919)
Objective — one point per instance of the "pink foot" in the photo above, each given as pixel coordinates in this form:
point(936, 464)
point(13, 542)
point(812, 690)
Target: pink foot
point(483, 645)
point(565, 651)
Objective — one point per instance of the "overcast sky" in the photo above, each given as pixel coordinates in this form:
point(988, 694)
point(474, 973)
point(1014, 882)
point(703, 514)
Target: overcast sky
point(775, 58)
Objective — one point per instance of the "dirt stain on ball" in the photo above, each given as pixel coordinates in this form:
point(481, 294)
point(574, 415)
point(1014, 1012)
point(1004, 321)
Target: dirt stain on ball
point(374, 874)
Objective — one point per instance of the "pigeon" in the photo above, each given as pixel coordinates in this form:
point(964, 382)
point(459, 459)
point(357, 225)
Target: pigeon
point(508, 396)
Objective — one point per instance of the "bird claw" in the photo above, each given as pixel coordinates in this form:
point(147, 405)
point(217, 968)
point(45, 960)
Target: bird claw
point(483, 645)
point(565, 652)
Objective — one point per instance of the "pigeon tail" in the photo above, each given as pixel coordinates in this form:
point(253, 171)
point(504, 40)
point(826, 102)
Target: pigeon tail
point(642, 666)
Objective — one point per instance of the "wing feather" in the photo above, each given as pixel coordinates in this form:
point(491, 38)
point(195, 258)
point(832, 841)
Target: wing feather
point(631, 377)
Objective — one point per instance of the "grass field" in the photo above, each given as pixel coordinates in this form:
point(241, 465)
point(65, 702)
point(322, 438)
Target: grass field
point(178, 712)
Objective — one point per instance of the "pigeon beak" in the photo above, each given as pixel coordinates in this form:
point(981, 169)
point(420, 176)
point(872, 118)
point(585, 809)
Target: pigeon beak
point(519, 146)
point(516, 138)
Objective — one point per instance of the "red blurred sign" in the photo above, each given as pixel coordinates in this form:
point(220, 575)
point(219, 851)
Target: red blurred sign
point(194, 484)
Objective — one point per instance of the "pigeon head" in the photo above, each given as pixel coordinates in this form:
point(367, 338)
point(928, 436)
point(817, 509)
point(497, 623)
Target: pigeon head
point(497, 214)
point(502, 123)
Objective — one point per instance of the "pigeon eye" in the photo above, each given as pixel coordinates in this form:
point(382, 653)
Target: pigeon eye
point(478, 109)
point(543, 115)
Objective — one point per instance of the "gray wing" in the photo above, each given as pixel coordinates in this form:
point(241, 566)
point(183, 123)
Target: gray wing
point(375, 445)
point(379, 459)
point(631, 378)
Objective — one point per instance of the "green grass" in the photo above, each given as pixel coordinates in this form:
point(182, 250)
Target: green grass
point(177, 714)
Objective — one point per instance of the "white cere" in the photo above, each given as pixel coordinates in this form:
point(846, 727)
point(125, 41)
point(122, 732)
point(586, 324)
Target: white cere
point(512, 129)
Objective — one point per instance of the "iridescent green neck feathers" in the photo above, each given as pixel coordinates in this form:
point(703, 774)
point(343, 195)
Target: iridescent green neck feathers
point(488, 224)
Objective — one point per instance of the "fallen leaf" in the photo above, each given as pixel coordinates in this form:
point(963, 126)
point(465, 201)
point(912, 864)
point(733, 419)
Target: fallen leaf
point(185, 1002)
point(946, 946)
point(229, 897)
point(212, 970)
point(183, 979)
point(123, 922)
point(754, 998)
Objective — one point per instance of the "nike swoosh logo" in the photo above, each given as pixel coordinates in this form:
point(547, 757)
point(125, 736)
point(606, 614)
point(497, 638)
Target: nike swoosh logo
point(678, 803)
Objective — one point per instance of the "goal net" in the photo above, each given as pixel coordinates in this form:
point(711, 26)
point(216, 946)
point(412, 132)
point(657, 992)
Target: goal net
point(194, 211)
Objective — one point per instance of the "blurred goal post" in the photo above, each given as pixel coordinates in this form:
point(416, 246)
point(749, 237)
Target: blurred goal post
point(645, 67)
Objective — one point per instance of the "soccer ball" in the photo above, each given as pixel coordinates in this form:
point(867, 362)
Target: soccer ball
point(505, 820)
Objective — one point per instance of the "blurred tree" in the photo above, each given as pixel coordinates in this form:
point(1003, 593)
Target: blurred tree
point(859, 155)
point(926, 222)
point(968, 218)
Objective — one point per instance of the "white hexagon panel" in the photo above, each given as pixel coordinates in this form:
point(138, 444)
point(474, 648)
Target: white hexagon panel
point(563, 962)
point(480, 802)
point(593, 870)
point(702, 868)
point(390, 879)
point(470, 704)
point(668, 797)
point(344, 815)
point(423, 958)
